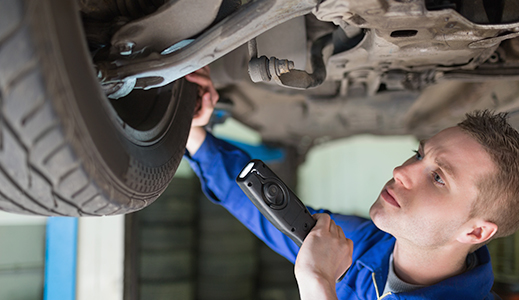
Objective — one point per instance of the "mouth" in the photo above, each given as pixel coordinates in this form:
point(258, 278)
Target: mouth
point(388, 196)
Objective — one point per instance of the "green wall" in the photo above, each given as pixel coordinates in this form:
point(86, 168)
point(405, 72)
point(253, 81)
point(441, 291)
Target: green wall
point(346, 176)
point(22, 257)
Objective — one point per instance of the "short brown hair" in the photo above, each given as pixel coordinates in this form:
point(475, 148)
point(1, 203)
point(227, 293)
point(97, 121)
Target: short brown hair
point(498, 199)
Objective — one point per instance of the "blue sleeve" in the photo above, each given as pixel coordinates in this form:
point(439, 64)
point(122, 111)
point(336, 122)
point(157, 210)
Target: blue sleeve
point(354, 227)
point(217, 164)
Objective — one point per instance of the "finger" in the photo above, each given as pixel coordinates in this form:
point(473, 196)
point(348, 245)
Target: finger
point(207, 100)
point(334, 227)
point(206, 110)
point(201, 80)
point(340, 232)
point(204, 71)
point(201, 118)
point(202, 114)
point(328, 222)
point(322, 218)
point(214, 95)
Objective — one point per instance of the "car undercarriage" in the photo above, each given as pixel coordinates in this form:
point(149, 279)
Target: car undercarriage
point(378, 67)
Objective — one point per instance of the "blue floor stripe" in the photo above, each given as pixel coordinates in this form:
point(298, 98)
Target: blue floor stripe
point(60, 259)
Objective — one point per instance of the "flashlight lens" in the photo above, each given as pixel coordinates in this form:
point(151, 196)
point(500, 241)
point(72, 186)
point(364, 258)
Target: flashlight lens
point(273, 194)
point(246, 170)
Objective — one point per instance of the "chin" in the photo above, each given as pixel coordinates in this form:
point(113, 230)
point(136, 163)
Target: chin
point(376, 209)
point(379, 216)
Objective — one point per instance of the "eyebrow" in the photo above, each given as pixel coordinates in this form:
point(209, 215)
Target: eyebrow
point(442, 164)
point(422, 144)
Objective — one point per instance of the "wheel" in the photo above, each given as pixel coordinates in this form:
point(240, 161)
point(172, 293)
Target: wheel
point(65, 149)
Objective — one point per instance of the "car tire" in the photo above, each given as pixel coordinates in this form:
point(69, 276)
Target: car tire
point(65, 149)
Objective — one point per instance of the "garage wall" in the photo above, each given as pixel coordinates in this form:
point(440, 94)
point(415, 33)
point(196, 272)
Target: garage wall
point(22, 256)
point(346, 176)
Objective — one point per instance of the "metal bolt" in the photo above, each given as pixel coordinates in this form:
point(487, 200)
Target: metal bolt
point(494, 58)
point(125, 48)
point(282, 65)
point(99, 73)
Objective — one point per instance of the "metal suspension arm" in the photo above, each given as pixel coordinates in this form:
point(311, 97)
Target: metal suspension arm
point(248, 22)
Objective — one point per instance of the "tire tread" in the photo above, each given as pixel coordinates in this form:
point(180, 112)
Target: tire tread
point(39, 188)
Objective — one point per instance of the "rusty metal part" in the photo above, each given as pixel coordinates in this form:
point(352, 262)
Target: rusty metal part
point(282, 70)
point(251, 20)
point(406, 36)
point(384, 98)
point(264, 69)
point(258, 66)
point(301, 79)
point(171, 23)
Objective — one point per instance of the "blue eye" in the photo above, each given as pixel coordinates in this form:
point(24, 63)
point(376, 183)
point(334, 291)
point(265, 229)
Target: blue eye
point(438, 179)
point(418, 156)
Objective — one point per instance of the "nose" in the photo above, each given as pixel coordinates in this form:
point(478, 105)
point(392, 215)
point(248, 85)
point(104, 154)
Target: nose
point(402, 175)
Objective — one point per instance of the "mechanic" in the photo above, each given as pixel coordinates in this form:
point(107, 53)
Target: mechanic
point(429, 226)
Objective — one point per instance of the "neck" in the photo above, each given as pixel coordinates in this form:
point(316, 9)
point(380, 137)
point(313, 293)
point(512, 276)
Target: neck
point(419, 265)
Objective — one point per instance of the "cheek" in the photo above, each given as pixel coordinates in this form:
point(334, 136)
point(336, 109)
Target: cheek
point(428, 203)
point(430, 214)
point(437, 211)
point(425, 192)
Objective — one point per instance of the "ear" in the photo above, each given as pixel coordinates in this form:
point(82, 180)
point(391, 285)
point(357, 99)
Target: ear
point(479, 233)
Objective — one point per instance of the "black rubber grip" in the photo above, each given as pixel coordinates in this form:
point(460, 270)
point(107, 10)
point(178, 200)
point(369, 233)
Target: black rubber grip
point(275, 201)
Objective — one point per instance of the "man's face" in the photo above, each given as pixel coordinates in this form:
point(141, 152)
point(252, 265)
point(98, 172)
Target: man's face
point(430, 196)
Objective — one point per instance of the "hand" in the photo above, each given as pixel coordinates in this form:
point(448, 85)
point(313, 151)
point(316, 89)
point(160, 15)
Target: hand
point(207, 98)
point(324, 256)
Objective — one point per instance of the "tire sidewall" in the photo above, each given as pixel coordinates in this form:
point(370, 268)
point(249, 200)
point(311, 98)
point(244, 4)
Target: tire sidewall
point(123, 170)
